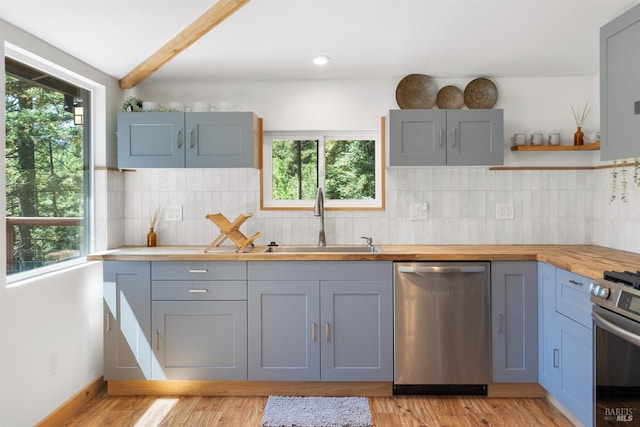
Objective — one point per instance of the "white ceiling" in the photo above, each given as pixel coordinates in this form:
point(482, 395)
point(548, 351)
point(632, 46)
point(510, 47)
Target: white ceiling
point(277, 39)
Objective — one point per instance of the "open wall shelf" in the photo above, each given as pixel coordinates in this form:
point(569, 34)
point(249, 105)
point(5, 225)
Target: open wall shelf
point(585, 147)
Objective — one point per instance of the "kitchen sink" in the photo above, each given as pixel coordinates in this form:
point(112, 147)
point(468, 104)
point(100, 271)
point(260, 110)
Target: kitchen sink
point(323, 249)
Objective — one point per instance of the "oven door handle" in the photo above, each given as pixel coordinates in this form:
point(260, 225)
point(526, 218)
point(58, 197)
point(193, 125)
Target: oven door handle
point(609, 326)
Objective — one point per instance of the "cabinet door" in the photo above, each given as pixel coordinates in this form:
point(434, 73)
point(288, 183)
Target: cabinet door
point(417, 138)
point(475, 137)
point(225, 140)
point(127, 306)
point(284, 331)
point(620, 86)
point(575, 390)
point(356, 331)
point(151, 140)
point(548, 331)
point(199, 340)
point(514, 309)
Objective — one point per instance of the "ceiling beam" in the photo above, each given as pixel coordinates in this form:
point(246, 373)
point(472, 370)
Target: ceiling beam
point(198, 28)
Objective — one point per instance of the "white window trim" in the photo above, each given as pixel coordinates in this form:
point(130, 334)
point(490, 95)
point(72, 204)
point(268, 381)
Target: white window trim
point(267, 167)
point(97, 99)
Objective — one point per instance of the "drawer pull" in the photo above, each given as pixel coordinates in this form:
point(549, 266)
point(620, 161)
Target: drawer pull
point(198, 291)
point(204, 270)
point(157, 336)
point(556, 357)
point(574, 282)
point(108, 322)
point(326, 331)
point(313, 331)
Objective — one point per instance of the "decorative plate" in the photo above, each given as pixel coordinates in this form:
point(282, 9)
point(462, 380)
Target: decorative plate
point(450, 98)
point(416, 91)
point(481, 93)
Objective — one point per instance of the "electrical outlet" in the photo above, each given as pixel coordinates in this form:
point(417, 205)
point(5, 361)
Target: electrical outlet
point(419, 211)
point(504, 210)
point(173, 213)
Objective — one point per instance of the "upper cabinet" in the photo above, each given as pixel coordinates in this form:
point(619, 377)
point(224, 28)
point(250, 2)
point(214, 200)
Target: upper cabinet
point(445, 137)
point(620, 86)
point(192, 140)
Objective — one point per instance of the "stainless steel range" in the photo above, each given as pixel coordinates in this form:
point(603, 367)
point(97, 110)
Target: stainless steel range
point(616, 332)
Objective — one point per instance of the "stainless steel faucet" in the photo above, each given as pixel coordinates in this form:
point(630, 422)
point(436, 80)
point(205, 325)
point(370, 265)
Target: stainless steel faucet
point(318, 210)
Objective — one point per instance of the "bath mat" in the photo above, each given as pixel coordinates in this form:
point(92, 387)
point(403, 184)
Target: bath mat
point(284, 411)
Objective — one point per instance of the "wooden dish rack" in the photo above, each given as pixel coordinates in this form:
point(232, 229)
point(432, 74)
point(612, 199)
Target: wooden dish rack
point(231, 230)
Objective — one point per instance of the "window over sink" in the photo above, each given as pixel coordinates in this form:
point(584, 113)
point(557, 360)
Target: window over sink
point(348, 166)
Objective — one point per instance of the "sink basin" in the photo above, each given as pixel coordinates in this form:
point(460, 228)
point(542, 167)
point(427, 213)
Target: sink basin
point(323, 249)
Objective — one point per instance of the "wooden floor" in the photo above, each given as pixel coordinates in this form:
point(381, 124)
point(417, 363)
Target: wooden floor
point(397, 411)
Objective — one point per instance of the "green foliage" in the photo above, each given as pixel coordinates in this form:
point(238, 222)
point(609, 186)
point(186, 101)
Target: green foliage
point(44, 161)
point(349, 170)
point(295, 169)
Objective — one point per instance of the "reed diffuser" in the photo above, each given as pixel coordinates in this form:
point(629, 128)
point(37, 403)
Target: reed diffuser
point(578, 137)
point(151, 235)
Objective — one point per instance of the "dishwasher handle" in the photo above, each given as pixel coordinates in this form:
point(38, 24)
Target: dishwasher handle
point(435, 269)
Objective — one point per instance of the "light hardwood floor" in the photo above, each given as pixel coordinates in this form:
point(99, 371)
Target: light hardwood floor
point(397, 411)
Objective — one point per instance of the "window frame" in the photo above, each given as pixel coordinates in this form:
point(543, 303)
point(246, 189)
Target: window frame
point(32, 60)
point(266, 170)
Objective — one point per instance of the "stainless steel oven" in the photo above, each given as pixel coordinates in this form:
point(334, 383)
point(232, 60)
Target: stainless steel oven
point(616, 334)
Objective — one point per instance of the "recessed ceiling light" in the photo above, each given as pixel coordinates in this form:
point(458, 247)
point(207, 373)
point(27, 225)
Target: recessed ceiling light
point(321, 60)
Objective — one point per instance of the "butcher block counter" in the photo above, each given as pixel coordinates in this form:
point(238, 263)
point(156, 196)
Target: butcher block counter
point(586, 260)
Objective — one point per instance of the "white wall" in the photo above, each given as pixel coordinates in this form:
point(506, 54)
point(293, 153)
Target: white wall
point(56, 316)
point(551, 206)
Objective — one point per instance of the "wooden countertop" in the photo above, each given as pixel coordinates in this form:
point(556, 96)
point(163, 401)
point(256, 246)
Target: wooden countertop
point(586, 260)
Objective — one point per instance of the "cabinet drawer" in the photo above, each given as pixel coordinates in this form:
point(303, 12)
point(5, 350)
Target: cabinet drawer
point(198, 290)
point(199, 270)
point(572, 296)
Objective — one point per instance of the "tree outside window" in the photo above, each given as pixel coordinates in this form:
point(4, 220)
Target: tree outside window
point(349, 169)
point(46, 169)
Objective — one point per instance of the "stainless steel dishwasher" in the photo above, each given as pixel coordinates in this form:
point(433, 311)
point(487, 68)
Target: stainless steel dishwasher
point(442, 332)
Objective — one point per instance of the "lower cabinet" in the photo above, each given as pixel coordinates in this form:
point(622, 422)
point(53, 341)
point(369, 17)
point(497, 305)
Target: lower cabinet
point(514, 321)
point(337, 327)
point(199, 320)
point(127, 320)
point(199, 340)
point(175, 320)
point(566, 340)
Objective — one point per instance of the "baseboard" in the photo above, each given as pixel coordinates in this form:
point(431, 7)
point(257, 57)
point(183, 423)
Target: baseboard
point(74, 404)
point(516, 390)
point(562, 409)
point(249, 388)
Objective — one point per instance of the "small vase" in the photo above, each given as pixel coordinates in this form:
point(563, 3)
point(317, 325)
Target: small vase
point(151, 238)
point(578, 137)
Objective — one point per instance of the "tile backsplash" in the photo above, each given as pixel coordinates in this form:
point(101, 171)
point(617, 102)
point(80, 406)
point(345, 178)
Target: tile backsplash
point(550, 207)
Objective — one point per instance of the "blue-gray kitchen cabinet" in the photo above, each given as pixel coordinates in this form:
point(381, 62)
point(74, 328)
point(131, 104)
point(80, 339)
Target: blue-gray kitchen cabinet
point(548, 332)
point(620, 86)
point(199, 320)
point(445, 137)
point(283, 330)
point(514, 310)
point(127, 309)
point(192, 140)
point(566, 359)
point(320, 320)
point(199, 340)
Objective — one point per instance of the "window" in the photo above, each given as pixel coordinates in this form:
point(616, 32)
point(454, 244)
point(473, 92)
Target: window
point(346, 165)
point(47, 169)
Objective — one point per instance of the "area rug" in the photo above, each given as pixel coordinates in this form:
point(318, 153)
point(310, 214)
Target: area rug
point(284, 411)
